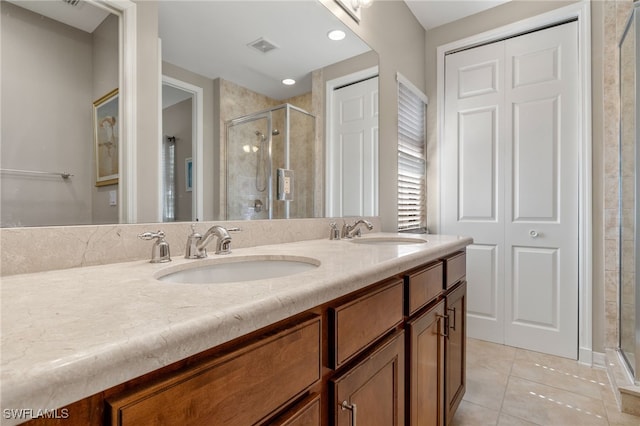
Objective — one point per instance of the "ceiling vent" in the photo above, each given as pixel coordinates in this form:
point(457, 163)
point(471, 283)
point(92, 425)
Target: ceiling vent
point(263, 45)
point(72, 2)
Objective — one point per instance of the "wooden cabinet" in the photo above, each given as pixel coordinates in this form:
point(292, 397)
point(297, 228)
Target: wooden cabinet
point(426, 370)
point(357, 324)
point(455, 349)
point(387, 355)
point(422, 286)
point(305, 413)
point(455, 267)
point(372, 392)
point(241, 388)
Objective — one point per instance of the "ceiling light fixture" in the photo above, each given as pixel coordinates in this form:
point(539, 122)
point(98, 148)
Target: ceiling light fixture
point(288, 82)
point(336, 35)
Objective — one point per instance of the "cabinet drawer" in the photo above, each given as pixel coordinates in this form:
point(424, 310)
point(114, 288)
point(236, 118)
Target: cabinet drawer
point(455, 268)
point(239, 388)
point(422, 287)
point(357, 324)
point(305, 413)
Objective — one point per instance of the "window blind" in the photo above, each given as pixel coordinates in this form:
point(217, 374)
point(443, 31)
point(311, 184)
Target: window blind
point(411, 158)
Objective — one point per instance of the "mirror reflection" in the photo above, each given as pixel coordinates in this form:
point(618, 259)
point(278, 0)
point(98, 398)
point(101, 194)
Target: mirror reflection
point(54, 72)
point(231, 56)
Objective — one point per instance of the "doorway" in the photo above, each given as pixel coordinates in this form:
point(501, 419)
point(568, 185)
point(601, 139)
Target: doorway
point(182, 187)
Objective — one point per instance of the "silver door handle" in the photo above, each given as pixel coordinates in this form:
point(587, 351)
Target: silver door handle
point(351, 407)
point(533, 233)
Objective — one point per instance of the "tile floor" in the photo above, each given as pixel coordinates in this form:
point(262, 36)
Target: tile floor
point(513, 387)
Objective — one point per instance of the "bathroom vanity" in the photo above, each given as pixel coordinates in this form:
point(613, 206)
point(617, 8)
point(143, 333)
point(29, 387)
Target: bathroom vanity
point(374, 334)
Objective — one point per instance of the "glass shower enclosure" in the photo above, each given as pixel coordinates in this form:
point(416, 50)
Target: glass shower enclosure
point(629, 291)
point(271, 164)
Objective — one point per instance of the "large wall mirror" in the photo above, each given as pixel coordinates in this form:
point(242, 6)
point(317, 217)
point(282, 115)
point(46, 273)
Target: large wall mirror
point(57, 89)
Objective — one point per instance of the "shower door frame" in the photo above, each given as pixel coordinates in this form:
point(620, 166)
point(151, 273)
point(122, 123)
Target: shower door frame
point(266, 114)
point(633, 368)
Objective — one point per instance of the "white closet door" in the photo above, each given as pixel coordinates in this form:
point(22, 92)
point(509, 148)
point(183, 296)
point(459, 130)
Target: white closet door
point(353, 151)
point(473, 185)
point(542, 187)
point(511, 182)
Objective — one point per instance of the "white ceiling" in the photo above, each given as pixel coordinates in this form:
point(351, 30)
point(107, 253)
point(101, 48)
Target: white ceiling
point(83, 16)
point(210, 37)
point(433, 13)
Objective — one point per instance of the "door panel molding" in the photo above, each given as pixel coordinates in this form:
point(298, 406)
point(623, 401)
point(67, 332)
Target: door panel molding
point(582, 13)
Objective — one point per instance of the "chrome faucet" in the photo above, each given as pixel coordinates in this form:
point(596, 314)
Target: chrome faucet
point(197, 244)
point(350, 231)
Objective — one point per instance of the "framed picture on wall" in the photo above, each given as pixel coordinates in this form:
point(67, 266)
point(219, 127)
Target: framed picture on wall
point(106, 144)
point(188, 174)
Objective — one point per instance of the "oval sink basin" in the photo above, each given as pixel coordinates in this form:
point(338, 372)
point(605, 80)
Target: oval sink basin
point(239, 269)
point(388, 241)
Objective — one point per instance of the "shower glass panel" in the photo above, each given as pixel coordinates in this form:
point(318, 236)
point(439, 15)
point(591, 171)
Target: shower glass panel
point(271, 164)
point(629, 293)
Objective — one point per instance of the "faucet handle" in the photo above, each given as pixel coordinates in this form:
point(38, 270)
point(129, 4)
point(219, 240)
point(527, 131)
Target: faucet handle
point(151, 235)
point(234, 229)
point(160, 252)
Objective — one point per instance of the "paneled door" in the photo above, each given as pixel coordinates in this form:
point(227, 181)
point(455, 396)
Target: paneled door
point(353, 151)
point(510, 180)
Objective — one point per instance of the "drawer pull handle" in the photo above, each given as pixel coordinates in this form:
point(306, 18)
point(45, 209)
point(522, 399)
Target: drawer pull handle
point(445, 326)
point(454, 318)
point(352, 408)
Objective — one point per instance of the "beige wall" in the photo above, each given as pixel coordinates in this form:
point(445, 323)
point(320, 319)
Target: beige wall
point(106, 71)
point(148, 110)
point(393, 32)
point(210, 147)
point(51, 74)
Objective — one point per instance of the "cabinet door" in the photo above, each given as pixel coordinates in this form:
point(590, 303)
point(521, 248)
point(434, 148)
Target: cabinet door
point(306, 413)
point(455, 348)
point(426, 371)
point(372, 392)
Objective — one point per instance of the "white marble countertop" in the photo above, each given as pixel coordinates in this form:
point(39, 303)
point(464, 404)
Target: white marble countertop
point(69, 334)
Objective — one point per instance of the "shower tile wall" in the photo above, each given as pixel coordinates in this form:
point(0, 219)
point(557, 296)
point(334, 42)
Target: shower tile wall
point(627, 169)
point(237, 101)
point(616, 13)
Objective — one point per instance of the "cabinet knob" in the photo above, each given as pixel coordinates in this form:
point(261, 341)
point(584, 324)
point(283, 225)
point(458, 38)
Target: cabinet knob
point(352, 408)
point(533, 233)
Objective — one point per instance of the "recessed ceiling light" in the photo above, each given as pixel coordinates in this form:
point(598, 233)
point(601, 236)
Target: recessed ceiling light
point(336, 35)
point(288, 82)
